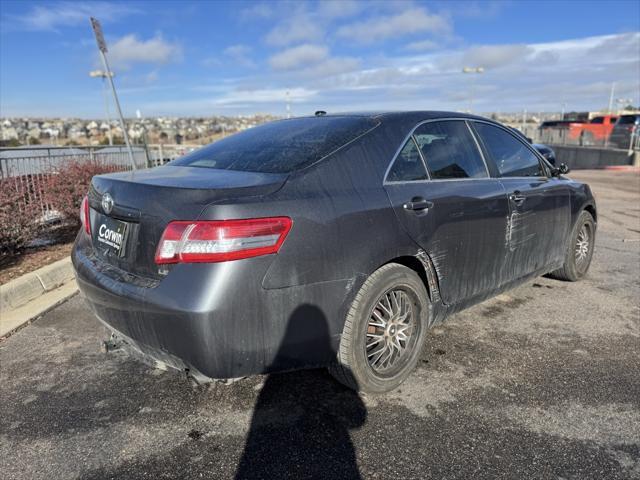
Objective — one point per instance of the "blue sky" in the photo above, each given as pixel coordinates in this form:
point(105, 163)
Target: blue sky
point(225, 58)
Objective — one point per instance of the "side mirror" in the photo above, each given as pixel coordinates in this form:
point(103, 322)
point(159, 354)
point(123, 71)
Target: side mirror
point(561, 170)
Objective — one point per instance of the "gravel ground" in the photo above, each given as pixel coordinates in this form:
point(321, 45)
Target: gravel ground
point(541, 382)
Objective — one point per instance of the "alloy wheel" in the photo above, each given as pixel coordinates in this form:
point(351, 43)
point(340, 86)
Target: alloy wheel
point(391, 331)
point(583, 247)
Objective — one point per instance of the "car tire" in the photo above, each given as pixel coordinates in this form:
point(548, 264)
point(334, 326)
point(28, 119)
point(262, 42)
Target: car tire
point(580, 250)
point(393, 297)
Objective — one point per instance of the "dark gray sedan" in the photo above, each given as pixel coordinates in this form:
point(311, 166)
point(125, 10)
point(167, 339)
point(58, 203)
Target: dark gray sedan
point(328, 241)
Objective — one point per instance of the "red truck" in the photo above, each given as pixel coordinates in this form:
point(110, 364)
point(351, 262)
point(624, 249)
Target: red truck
point(594, 132)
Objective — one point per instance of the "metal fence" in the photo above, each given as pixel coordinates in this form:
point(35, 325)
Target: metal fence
point(24, 170)
point(159, 154)
point(25, 161)
point(564, 136)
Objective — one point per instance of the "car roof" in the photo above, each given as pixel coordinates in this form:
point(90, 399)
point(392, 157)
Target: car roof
point(417, 115)
point(403, 119)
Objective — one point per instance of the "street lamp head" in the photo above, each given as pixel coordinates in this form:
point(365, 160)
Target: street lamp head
point(473, 70)
point(100, 74)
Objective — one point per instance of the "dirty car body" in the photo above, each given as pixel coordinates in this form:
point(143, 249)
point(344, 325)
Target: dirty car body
point(355, 194)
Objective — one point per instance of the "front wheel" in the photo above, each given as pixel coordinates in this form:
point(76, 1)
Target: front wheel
point(580, 251)
point(384, 331)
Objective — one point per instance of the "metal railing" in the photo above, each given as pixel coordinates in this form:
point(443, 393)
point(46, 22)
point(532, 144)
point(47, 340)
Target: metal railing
point(21, 161)
point(24, 170)
point(563, 136)
point(159, 154)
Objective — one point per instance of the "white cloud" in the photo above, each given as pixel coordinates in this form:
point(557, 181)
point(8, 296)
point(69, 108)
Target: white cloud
point(413, 20)
point(477, 9)
point(297, 27)
point(210, 62)
point(330, 67)
point(297, 57)
point(266, 95)
point(233, 100)
point(495, 56)
point(257, 11)
point(312, 61)
point(237, 50)
point(302, 22)
point(151, 77)
point(240, 53)
point(340, 8)
point(422, 46)
point(51, 16)
point(130, 50)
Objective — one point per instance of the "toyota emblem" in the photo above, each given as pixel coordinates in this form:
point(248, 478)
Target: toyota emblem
point(107, 203)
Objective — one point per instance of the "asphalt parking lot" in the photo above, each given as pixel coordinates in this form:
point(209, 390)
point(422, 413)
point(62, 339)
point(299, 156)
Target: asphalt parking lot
point(541, 382)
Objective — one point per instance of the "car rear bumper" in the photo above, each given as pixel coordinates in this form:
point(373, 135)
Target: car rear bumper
point(216, 319)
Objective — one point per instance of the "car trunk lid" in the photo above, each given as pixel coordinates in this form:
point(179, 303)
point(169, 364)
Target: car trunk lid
point(143, 202)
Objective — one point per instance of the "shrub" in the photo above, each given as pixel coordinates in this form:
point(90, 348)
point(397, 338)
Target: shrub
point(65, 189)
point(18, 223)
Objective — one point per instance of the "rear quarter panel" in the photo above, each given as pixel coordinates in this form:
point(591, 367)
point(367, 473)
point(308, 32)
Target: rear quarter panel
point(343, 222)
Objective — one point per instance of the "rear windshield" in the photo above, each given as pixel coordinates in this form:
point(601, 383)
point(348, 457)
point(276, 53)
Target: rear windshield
point(627, 119)
point(279, 147)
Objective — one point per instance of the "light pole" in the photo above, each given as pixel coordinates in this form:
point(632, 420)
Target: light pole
point(102, 74)
point(102, 47)
point(613, 89)
point(472, 70)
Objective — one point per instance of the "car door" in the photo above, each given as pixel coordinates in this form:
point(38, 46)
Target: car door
point(539, 204)
point(444, 197)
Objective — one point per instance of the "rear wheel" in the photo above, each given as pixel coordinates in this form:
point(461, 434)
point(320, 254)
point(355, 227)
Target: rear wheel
point(580, 251)
point(384, 331)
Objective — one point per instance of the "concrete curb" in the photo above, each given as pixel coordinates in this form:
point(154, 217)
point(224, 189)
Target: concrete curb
point(29, 296)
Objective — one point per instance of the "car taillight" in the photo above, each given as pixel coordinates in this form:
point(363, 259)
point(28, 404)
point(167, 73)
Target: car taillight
point(85, 218)
point(221, 240)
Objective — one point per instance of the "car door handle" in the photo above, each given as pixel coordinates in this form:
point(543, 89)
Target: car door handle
point(517, 198)
point(418, 203)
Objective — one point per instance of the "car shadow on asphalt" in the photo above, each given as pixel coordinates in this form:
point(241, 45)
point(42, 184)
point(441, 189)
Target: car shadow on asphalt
point(300, 425)
point(300, 429)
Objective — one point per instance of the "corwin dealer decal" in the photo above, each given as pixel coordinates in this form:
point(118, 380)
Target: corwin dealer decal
point(113, 238)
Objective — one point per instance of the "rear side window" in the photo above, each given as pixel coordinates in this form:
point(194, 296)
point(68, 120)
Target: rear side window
point(512, 157)
point(627, 120)
point(598, 120)
point(449, 150)
point(408, 166)
point(279, 147)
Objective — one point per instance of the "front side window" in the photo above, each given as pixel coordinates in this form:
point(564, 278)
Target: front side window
point(512, 157)
point(449, 150)
point(408, 166)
